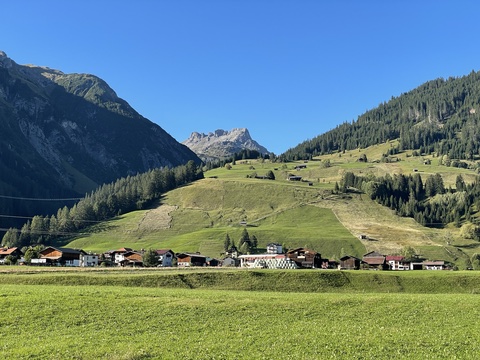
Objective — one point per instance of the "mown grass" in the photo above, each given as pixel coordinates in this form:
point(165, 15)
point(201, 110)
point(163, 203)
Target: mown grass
point(114, 322)
point(209, 209)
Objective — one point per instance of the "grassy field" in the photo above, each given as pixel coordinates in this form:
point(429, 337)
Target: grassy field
point(197, 217)
point(69, 319)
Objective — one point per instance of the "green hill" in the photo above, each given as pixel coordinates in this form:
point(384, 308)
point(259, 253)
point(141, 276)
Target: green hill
point(308, 213)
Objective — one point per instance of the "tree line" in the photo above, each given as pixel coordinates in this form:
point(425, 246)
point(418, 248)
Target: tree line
point(430, 203)
point(441, 116)
point(110, 200)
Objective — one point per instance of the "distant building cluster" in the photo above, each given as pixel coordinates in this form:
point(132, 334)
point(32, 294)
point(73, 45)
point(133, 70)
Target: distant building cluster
point(274, 258)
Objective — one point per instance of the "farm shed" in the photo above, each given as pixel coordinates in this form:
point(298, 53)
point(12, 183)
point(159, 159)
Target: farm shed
point(374, 260)
point(350, 263)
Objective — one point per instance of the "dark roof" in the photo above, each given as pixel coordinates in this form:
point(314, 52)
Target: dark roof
point(184, 255)
point(349, 257)
point(373, 254)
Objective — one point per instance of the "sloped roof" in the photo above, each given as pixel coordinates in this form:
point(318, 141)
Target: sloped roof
point(377, 260)
point(373, 254)
point(163, 251)
point(395, 258)
point(7, 251)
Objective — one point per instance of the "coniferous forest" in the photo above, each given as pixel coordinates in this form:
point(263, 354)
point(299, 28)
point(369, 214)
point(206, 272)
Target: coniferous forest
point(440, 116)
point(110, 200)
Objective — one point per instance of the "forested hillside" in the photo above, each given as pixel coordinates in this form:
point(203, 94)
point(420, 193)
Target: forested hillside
point(119, 197)
point(439, 116)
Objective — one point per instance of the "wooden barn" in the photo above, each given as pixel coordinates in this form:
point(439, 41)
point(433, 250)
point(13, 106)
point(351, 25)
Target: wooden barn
point(350, 263)
point(375, 261)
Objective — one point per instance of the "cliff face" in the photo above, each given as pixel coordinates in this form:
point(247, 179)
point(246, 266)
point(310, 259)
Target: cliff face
point(68, 133)
point(222, 144)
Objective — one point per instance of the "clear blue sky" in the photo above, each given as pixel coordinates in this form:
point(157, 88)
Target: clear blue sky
point(288, 70)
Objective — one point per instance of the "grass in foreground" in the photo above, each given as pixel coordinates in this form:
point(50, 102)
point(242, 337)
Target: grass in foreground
point(81, 322)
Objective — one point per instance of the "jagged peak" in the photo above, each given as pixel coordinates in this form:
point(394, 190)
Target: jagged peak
point(222, 143)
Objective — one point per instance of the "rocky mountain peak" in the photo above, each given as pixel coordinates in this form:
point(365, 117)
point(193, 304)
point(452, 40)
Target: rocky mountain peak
point(221, 143)
point(5, 61)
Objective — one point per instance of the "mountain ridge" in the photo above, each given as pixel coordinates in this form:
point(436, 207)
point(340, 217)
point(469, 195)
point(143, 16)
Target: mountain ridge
point(222, 143)
point(66, 134)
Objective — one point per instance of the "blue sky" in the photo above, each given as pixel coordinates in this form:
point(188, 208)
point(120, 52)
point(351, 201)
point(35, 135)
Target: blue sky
point(288, 70)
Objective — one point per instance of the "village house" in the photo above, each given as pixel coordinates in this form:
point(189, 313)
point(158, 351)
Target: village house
point(187, 259)
point(59, 257)
point(88, 260)
point(132, 258)
point(374, 260)
point(13, 251)
point(348, 262)
point(305, 258)
point(274, 248)
point(397, 262)
point(116, 256)
point(165, 257)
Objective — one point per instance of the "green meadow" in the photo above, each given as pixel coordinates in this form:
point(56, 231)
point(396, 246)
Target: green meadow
point(186, 314)
point(197, 217)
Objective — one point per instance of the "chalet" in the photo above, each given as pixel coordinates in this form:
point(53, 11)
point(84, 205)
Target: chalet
point(274, 248)
point(116, 256)
point(350, 263)
point(13, 251)
point(397, 262)
point(294, 178)
point(59, 256)
point(187, 259)
point(132, 258)
point(434, 265)
point(165, 257)
point(374, 260)
point(305, 258)
point(267, 261)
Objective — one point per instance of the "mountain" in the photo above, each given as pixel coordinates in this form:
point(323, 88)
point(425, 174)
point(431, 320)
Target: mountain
point(441, 116)
point(222, 144)
point(62, 135)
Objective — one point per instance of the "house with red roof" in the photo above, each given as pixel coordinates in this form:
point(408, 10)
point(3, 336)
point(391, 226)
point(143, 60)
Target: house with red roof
point(397, 262)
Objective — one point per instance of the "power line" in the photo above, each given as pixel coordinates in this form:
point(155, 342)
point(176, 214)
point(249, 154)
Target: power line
point(48, 217)
point(38, 199)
